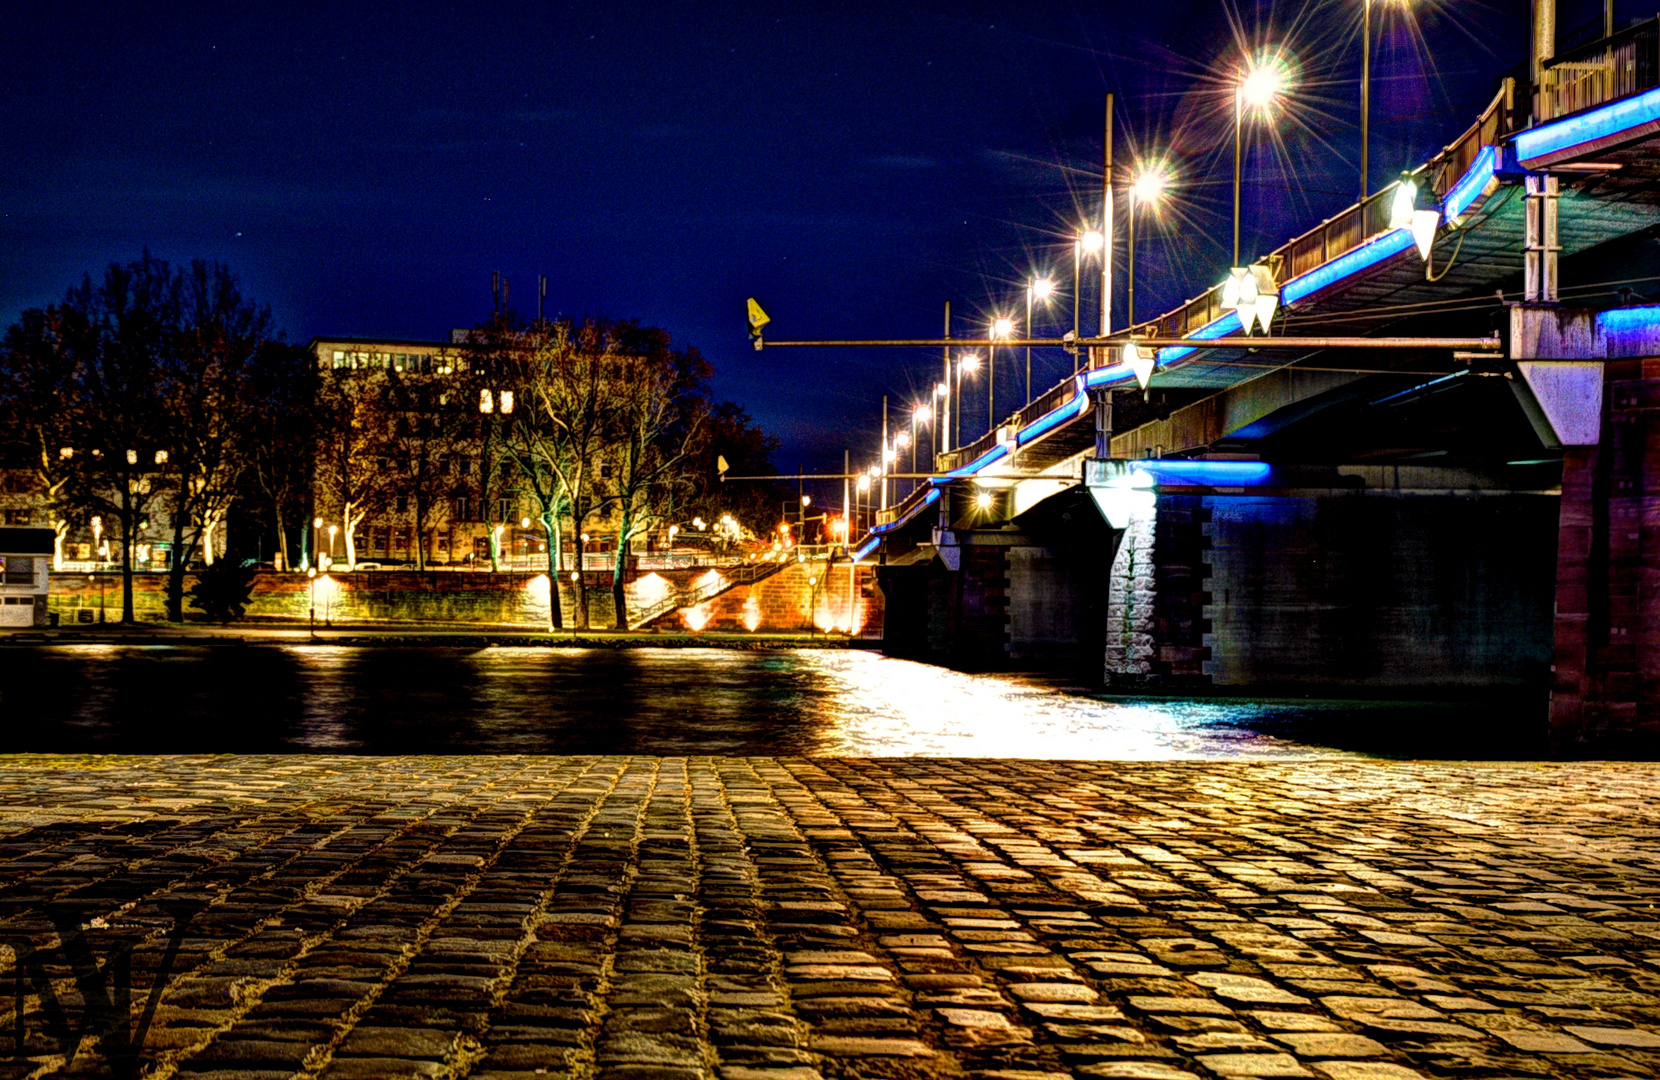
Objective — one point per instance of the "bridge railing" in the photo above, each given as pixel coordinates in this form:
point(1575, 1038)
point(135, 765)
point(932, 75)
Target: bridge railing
point(1600, 71)
point(1331, 239)
point(1341, 234)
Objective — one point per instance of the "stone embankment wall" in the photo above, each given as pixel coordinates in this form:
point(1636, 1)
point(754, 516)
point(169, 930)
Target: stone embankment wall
point(798, 597)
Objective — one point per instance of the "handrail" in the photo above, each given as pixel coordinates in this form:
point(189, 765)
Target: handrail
point(1599, 71)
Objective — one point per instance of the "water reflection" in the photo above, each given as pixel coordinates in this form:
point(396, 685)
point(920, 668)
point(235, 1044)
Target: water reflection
point(311, 698)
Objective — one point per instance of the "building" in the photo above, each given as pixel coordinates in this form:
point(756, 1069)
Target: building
point(87, 542)
point(398, 477)
point(25, 566)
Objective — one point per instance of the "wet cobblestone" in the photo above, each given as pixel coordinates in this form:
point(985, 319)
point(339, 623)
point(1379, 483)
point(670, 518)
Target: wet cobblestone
point(809, 919)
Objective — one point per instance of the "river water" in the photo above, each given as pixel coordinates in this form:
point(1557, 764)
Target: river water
point(343, 699)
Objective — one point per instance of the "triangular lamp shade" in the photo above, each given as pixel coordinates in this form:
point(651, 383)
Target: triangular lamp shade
point(1141, 363)
point(1424, 224)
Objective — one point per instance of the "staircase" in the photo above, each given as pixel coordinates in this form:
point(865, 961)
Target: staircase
point(745, 574)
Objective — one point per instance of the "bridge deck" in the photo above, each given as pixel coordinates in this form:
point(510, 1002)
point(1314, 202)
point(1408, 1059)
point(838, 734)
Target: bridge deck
point(1355, 275)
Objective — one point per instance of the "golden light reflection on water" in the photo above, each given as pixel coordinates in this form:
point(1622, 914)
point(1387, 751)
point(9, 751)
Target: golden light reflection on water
point(881, 706)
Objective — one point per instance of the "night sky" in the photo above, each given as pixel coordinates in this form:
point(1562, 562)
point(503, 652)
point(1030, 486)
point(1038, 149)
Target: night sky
point(364, 168)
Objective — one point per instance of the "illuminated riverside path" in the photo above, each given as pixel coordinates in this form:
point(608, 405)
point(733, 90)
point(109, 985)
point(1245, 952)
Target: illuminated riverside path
point(792, 918)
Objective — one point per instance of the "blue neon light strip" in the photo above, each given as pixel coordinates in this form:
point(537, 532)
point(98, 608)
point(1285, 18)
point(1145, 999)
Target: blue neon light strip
point(1052, 419)
point(1471, 184)
point(1625, 320)
point(1217, 473)
point(1368, 254)
point(1588, 127)
point(866, 548)
point(1112, 373)
point(927, 500)
point(1237, 473)
point(996, 453)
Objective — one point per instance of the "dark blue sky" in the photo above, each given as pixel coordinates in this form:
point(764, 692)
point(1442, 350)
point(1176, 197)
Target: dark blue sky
point(365, 167)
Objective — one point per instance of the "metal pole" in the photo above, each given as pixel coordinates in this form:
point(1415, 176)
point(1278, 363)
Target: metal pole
point(1129, 290)
point(885, 451)
point(1238, 126)
point(1365, 93)
point(847, 504)
point(1031, 288)
point(1077, 295)
point(991, 384)
point(1107, 240)
point(945, 431)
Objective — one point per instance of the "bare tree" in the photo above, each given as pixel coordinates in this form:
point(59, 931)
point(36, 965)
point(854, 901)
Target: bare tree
point(657, 411)
point(35, 396)
point(352, 449)
point(431, 422)
point(202, 376)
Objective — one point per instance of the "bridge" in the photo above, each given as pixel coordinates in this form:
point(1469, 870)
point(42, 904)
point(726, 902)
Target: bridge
point(1454, 503)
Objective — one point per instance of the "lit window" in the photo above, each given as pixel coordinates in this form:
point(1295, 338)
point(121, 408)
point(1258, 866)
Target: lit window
point(339, 359)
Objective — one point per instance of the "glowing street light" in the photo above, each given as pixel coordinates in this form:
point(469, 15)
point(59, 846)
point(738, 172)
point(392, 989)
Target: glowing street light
point(1089, 242)
point(1147, 189)
point(1038, 289)
point(1259, 88)
point(967, 364)
point(1001, 327)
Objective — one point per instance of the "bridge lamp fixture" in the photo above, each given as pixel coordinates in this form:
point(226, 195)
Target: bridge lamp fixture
point(1403, 214)
point(969, 363)
point(806, 501)
point(875, 472)
point(1002, 327)
point(864, 484)
point(983, 500)
point(923, 413)
point(940, 390)
point(902, 440)
point(1040, 289)
point(1138, 360)
point(1089, 242)
point(1253, 295)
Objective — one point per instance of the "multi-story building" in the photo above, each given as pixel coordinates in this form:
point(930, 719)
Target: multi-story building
point(412, 480)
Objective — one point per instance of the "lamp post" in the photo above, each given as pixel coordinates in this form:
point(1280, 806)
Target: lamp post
point(316, 534)
point(1088, 242)
point(920, 415)
point(1258, 88)
point(311, 572)
point(1001, 327)
point(488, 401)
point(968, 363)
point(1147, 188)
point(1036, 289)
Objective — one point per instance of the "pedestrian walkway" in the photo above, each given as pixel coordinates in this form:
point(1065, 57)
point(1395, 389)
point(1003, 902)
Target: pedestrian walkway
point(790, 919)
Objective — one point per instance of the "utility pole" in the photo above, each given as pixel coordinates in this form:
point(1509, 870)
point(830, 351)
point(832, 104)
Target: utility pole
point(945, 431)
point(885, 451)
point(1107, 245)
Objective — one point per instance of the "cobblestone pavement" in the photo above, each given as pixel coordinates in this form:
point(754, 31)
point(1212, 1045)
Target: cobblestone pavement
point(789, 919)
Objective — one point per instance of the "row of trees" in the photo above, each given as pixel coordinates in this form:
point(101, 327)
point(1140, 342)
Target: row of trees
point(140, 394)
point(163, 388)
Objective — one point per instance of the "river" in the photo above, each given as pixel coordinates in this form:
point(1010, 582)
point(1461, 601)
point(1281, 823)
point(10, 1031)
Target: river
point(130, 698)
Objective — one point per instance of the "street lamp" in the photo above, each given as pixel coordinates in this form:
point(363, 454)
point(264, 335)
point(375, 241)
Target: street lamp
point(1037, 289)
point(332, 530)
point(490, 403)
point(1089, 242)
point(1258, 88)
point(1147, 189)
point(922, 414)
point(1001, 327)
point(1366, 90)
point(311, 572)
point(316, 534)
point(967, 364)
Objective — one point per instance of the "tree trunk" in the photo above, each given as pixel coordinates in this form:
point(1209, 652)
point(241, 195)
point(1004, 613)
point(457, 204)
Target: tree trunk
point(175, 571)
point(556, 617)
point(350, 524)
point(581, 574)
point(556, 563)
point(127, 550)
point(282, 538)
point(60, 529)
point(619, 566)
point(420, 533)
